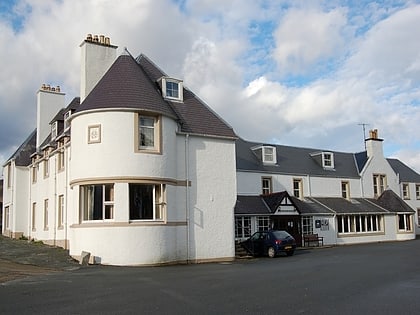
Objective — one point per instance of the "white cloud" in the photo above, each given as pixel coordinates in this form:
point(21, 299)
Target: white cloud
point(305, 37)
point(212, 45)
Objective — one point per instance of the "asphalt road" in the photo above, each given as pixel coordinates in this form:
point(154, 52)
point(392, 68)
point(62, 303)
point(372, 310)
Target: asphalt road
point(379, 278)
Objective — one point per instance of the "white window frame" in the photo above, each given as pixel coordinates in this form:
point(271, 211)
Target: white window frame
point(404, 222)
point(87, 199)
point(269, 154)
point(266, 185)
point(67, 116)
point(243, 227)
point(406, 190)
point(262, 223)
point(46, 166)
point(298, 192)
point(307, 225)
point(46, 205)
point(345, 189)
point(328, 160)
point(359, 224)
point(418, 191)
point(60, 212)
point(6, 217)
point(54, 130)
point(379, 184)
point(140, 129)
point(177, 82)
point(33, 217)
point(158, 199)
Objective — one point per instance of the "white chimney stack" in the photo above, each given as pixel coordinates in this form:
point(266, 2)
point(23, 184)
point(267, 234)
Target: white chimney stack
point(97, 56)
point(374, 146)
point(49, 101)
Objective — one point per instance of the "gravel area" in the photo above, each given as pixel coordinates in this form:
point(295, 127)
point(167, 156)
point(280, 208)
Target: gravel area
point(22, 258)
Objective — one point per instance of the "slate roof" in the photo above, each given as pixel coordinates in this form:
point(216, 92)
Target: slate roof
point(388, 202)
point(353, 206)
point(294, 160)
point(391, 201)
point(248, 205)
point(406, 173)
point(132, 84)
point(22, 155)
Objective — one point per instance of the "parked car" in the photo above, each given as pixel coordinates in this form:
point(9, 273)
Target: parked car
point(270, 243)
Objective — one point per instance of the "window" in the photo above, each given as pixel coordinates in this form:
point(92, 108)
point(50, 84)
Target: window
point(404, 222)
point(67, 119)
point(266, 154)
point(46, 167)
point(54, 130)
point(263, 223)
point(327, 160)
point(418, 216)
point(46, 214)
point(417, 191)
point(269, 155)
point(242, 227)
point(356, 224)
point(147, 202)
point(7, 217)
point(266, 185)
point(33, 216)
point(172, 89)
point(406, 191)
point(297, 188)
point(345, 190)
point(34, 173)
point(9, 175)
point(60, 215)
point(307, 225)
point(379, 184)
point(97, 202)
point(60, 157)
point(148, 134)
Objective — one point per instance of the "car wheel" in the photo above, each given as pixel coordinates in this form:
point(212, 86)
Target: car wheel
point(290, 253)
point(271, 252)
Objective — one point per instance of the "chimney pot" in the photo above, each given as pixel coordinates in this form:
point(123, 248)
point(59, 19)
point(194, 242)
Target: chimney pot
point(102, 39)
point(95, 38)
point(89, 37)
point(107, 41)
point(57, 88)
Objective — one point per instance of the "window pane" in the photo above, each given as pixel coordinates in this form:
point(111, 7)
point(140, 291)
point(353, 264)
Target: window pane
point(172, 89)
point(147, 131)
point(141, 202)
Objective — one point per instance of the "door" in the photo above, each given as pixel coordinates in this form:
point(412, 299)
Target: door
point(290, 224)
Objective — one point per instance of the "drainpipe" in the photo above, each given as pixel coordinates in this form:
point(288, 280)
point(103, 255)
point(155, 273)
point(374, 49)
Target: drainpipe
point(66, 196)
point(55, 208)
point(187, 192)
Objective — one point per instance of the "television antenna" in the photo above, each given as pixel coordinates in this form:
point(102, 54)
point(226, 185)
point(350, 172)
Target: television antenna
point(364, 132)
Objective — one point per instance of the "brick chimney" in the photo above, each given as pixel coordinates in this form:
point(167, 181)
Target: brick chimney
point(374, 145)
point(97, 56)
point(49, 101)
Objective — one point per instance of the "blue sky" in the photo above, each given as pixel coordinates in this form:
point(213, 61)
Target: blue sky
point(294, 72)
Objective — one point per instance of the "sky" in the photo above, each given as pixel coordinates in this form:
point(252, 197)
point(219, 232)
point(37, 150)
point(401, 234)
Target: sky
point(301, 73)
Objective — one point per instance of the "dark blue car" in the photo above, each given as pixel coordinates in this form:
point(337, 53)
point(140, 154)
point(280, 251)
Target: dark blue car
point(270, 243)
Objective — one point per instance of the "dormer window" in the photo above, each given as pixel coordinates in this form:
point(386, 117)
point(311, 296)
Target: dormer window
point(267, 154)
point(172, 89)
point(66, 119)
point(327, 160)
point(324, 159)
point(54, 130)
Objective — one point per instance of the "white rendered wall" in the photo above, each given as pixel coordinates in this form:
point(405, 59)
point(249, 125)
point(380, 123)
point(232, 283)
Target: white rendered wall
point(212, 198)
point(115, 155)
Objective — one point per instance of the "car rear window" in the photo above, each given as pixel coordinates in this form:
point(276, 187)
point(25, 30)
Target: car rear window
point(281, 234)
